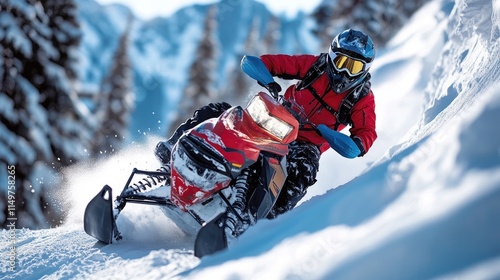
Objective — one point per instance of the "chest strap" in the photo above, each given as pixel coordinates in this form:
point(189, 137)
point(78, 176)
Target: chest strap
point(343, 115)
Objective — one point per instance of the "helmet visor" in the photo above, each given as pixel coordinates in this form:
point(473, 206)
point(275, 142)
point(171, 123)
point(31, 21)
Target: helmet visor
point(342, 62)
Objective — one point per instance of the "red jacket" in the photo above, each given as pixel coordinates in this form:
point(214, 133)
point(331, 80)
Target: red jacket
point(362, 114)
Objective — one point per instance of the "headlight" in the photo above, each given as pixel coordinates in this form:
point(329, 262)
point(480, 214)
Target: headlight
point(259, 113)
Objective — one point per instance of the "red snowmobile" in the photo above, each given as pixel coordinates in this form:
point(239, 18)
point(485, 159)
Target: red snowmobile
point(225, 174)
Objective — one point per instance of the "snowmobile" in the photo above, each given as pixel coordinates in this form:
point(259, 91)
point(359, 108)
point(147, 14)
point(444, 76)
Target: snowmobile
point(225, 174)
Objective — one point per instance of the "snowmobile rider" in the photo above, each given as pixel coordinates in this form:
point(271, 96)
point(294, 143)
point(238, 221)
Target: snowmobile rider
point(333, 89)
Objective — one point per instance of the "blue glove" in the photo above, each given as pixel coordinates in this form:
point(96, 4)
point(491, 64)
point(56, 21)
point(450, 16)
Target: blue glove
point(341, 143)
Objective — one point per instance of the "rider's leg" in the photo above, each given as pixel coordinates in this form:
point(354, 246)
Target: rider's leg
point(212, 110)
point(303, 165)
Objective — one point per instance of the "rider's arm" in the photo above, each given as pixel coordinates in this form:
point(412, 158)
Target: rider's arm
point(288, 66)
point(363, 130)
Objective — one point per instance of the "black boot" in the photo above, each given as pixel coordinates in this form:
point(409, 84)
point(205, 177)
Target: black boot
point(302, 167)
point(287, 200)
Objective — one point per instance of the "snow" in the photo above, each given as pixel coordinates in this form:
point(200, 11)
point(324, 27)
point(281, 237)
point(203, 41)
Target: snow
point(422, 204)
point(12, 33)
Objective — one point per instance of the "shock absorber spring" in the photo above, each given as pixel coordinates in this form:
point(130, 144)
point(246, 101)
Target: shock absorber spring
point(237, 218)
point(152, 181)
point(241, 189)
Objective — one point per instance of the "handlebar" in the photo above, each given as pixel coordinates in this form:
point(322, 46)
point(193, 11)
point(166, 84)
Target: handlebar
point(255, 68)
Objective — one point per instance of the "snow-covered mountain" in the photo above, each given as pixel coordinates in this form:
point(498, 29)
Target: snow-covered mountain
point(424, 203)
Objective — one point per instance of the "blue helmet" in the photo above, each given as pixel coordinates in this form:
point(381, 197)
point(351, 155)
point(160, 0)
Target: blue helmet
point(350, 57)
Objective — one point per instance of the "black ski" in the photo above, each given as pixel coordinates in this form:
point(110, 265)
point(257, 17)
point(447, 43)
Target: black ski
point(98, 220)
point(212, 237)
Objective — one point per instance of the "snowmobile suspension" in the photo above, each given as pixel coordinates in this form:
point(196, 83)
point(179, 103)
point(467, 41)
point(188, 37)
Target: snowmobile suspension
point(130, 193)
point(234, 217)
point(161, 175)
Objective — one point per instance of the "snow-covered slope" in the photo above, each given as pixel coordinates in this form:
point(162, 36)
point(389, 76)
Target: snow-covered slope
point(425, 204)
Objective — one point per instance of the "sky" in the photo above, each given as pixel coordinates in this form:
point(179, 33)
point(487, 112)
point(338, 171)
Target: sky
point(147, 9)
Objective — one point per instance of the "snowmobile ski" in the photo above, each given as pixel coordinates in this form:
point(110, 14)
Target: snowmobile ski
point(212, 237)
point(98, 220)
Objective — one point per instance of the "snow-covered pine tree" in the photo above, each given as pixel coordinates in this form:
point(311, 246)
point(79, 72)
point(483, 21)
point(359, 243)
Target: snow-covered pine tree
point(71, 125)
point(24, 36)
point(238, 86)
point(272, 35)
point(66, 34)
point(381, 19)
point(38, 129)
point(199, 89)
point(255, 44)
point(116, 100)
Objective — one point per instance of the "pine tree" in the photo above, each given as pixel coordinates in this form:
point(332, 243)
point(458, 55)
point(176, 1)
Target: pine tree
point(272, 35)
point(39, 130)
point(381, 19)
point(116, 101)
point(238, 86)
point(327, 24)
point(199, 90)
point(66, 37)
point(70, 127)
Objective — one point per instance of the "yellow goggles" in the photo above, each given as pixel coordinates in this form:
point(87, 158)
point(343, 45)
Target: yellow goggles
point(342, 62)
